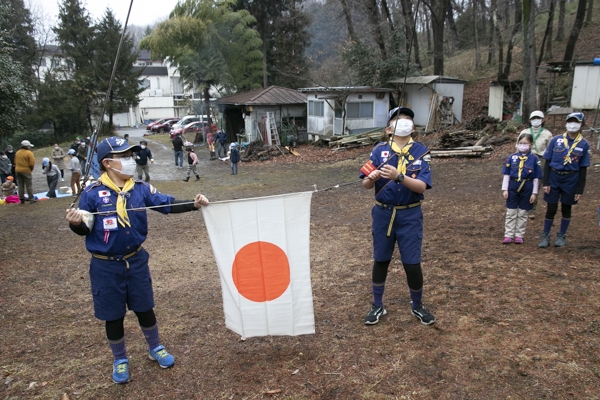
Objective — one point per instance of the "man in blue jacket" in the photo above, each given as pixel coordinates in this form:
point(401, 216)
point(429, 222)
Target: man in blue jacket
point(222, 140)
point(141, 160)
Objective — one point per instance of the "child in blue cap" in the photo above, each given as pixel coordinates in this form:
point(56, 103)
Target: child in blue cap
point(114, 234)
point(567, 158)
point(399, 171)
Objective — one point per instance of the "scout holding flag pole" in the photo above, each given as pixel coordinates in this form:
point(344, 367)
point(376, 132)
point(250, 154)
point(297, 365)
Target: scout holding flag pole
point(399, 171)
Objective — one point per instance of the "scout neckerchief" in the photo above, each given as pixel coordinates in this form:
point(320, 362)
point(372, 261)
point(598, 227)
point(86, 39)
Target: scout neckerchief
point(402, 154)
point(575, 143)
point(123, 218)
point(522, 160)
point(535, 137)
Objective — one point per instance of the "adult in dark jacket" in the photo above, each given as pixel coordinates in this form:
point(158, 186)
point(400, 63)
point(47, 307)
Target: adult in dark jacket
point(10, 153)
point(222, 141)
point(142, 157)
point(178, 150)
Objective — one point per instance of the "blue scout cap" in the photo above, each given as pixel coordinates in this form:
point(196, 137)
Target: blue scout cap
point(114, 145)
point(400, 110)
point(577, 115)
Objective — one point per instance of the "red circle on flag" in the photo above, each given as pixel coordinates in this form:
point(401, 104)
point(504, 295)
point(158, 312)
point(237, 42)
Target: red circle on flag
point(261, 271)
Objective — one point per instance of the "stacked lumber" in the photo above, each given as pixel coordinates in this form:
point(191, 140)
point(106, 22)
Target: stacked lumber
point(362, 139)
point(469, 151)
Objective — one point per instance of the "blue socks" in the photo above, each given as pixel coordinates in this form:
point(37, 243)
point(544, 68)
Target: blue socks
point(151, 335)
point(118, 348)
point(564, 225)
point(378, 290)
point(548, 225)
point(416, 297)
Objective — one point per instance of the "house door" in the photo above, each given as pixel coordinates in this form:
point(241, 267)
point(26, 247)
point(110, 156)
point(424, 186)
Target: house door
point(337, 120)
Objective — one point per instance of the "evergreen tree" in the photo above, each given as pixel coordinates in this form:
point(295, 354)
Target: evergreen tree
point(75, 35)
point(283, 28)
point(18, 27)
point(126, 83)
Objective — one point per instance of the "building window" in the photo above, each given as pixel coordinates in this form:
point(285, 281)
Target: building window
point(316, 108)
point(43, 62)
point(145, 84)
point(359, 110)
point(55, 62)
point(158, 83)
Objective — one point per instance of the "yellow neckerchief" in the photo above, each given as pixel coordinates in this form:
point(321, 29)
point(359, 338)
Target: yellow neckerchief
point(522, 160)
point(402, 153)
point(123, 218)
point(575, 143)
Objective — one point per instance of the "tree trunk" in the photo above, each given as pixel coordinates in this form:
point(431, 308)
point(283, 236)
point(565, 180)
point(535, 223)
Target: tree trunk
point(375, 20)
point(497, 24)
point(410, 29)
point(348, 16)
point(451, 23)
point(264, 55)
point(206, 95)
point(438, 16)
point(475, 29)
point(547, 40)
point(528, 102)
point(590, 13)
point(491, 41)
point(570, 49)
point(511, 42)
point(560, 30)
point(428, 30)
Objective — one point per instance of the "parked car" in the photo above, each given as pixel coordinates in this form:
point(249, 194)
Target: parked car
point(160, 121)
point(165, 126)
point(191, 128)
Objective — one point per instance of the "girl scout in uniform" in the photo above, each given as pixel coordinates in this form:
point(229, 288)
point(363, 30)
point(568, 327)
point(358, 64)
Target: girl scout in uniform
point(112, 217)
point(400, 173)
point(567, 158)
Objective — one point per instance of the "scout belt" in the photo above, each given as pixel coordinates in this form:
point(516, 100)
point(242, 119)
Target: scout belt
point(116, 258)
point(563, 172)
point(394, 209)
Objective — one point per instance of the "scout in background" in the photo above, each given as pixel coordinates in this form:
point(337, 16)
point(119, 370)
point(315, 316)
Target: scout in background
point(522, 172)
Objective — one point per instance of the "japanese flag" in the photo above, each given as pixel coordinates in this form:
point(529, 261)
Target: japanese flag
point(262, 249)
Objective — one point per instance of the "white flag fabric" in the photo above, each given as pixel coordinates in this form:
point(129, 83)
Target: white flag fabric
point(262, 249)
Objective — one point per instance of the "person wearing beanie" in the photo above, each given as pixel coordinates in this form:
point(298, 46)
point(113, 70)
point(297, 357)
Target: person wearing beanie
point(399, 171)
point(52, 176)
point(8, 187)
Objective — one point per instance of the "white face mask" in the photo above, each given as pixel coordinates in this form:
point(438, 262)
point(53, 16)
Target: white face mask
point(536, 123)
point(573, 127)
point(403, 127)
point(127, 166)
point(523, 147)
point(143, 147)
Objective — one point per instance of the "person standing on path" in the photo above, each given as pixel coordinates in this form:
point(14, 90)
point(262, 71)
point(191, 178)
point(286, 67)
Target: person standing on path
point(58, 158)
point(400, 172)
point(222, 141)
point(75, 167)
point(178, 150)
point(567, 158)
point(234, 158)
point(141, 160)
point(192, 159)
point(24, 165)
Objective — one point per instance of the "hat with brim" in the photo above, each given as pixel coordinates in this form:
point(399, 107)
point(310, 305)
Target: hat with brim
point(400, 110)
point(114, 145)
point(577, 115)
point(536, 114)
point(26, 143)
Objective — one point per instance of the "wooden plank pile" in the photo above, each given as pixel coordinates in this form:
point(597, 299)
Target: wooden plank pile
point(258, 151)
point(369, 138)
point(469, 151)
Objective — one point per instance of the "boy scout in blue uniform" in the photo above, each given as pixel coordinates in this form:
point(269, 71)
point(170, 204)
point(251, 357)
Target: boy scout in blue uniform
point(567, 158)
point(399, 171)
point(112, 217)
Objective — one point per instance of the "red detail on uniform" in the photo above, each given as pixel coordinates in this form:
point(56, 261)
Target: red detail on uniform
point(103, 193)
point(368, 168)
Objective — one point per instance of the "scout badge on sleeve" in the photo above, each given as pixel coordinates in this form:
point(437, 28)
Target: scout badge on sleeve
point(368, 168)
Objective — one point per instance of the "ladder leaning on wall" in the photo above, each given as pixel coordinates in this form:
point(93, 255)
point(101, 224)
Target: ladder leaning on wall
point(272, 134)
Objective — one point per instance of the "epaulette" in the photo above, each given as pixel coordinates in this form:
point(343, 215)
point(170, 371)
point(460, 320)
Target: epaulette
point(380, 144)
point(91, 186)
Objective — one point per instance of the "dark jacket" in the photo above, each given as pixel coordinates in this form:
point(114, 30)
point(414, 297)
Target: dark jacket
point(178, 143)
point(234, 156)
point(222, 137)
point(142, 156)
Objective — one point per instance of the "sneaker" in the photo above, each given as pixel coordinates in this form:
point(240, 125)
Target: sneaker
point(507, 240)
point(545, 241)
point(121, 371)
point(373, 316)
point(518, 240)
point(164, 359)
point(424, 316)
point(35, 201)
point(561, 240)
point(197, 178)
point(62, 179)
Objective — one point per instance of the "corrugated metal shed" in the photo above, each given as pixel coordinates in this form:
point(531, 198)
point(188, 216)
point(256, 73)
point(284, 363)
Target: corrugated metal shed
point(273, 95)
point(427, 79)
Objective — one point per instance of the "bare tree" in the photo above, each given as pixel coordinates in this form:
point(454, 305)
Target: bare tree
point(577, 24)
point(528, 102)
point(511, 41)
point(437, 11)
point(476, 34)
point(547, 40)
point(560, 29)
point(590, 13)
point(348, 15)
point(375, 21)
point(410, 29)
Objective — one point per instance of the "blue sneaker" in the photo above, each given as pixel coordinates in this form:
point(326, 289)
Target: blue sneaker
point(121, 371)
point(164, 359)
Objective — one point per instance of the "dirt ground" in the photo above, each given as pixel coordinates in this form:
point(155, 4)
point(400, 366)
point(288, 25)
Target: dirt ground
point(511, 321)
